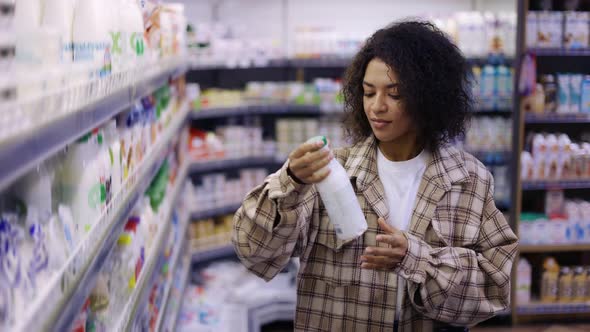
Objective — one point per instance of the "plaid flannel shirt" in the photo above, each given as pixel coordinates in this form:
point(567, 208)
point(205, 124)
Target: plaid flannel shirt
point(457, 267)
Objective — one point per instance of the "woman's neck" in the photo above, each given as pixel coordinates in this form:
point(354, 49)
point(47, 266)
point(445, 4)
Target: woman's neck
point(402, 149)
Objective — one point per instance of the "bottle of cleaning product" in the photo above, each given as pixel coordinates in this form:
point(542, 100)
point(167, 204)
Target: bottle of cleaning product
point(90, 35)
point(340, 199)
point(133, 29)
point(59, 15)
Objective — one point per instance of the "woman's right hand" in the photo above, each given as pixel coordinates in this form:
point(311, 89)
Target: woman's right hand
point(306, 160)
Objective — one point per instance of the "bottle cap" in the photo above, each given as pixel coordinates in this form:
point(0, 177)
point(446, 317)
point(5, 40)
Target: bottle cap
point(318, 139)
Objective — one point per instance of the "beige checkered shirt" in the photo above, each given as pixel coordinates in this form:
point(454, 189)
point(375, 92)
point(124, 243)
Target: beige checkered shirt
point(457, 268)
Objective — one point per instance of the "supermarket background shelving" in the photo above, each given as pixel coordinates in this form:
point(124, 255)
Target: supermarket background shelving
point(205, 240)
point(535, 198)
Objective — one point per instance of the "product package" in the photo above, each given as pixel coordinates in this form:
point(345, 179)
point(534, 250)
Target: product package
point(576, 30)
point(564, 93)
point(532, 32)
point(575, 92)
point(585, 95)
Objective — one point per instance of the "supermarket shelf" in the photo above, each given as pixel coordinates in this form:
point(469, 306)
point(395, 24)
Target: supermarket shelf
point(329, 62)
point(268, 109)
point(22, 153)
point(493, 112)
point(552, 308)
point(143, 288)
point(320, 62)
point(66, 292)
point(560, 52)
point(557, 118)
point(565, 184)
point(492, 157)
point(231, 164)
point(206, 254)
point(549, 248)
point(172, 267)
point(171, 317)
point(211, 213)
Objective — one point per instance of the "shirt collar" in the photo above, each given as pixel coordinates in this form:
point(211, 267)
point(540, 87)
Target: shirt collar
point(446, 167)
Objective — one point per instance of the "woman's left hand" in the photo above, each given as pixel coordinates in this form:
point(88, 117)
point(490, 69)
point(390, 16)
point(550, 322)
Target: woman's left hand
point(381, 258)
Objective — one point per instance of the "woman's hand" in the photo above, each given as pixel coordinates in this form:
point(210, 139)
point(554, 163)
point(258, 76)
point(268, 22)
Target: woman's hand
point(306, 160)
point(379, 258)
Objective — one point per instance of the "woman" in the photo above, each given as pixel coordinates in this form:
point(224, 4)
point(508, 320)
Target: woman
point(437, 250)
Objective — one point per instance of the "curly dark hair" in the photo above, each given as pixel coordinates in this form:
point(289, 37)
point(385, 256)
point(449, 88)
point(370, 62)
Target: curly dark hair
point(434, 82)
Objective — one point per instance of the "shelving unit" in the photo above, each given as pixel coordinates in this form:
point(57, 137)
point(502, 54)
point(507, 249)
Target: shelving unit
point(553, 248)
point(24, 152)
point(230, 164)
point(553, 308)
point(208, 254)
point(560, 52)
point(548, 61)
point(139, 296)
point(268, 109)
point(210, 213)
point(66, 292)
point(557, 118)
point(550, 184)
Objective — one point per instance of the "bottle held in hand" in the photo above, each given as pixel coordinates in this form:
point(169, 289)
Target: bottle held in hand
point(340, 200)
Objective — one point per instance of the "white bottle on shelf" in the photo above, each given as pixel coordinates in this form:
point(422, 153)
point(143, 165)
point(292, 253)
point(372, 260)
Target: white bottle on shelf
point(59, 15)
point(340, 200)
point(90, 35)
point(133, 32)
point(523, 283)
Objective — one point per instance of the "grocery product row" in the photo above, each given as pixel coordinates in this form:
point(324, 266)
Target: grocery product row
point(488, 134)
point(555, 157)
point(229, 45)
point(561, 93)
point(69, 207)
point(557, 29)
point(124, 278)
point(216, 190)
point(226, 297)
point(323, 92)
point(563, 221)
point(102, 37)
point(556, 284)
point(492, 91)
point(229, 142)
point(205, 234)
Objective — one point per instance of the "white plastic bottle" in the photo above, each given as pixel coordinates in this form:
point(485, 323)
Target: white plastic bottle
point(132, 31)
point(90, 35)
point(59, 15)
point(523, 288)
point(340, 200)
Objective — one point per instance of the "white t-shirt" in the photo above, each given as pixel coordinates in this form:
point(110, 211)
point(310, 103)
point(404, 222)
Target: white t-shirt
point(401, 180)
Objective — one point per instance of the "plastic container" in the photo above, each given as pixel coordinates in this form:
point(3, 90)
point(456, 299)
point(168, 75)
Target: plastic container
point(59, 15)
point(340, 200)
point(523, 288)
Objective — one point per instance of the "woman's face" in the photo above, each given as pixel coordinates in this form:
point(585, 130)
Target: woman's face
point(382, 104)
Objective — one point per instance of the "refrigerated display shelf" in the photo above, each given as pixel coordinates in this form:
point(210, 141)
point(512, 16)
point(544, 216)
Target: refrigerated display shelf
point(172, 268)
point(262, 109)
point(207, 254)
point(216, 212)
point(172, 312)
point(560, 52)
point(552, 308)
point(139, 296)
point(557, 185)
point(23, 152)
point(583, 118)
point(549, 248)
point(56, 307)
point(223, 165)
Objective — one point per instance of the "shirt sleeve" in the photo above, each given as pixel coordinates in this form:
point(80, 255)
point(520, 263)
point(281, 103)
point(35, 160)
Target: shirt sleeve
point(463, 286)
point(271, 225)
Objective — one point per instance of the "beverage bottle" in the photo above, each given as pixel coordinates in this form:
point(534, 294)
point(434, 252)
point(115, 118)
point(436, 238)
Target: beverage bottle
point(340, 200)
